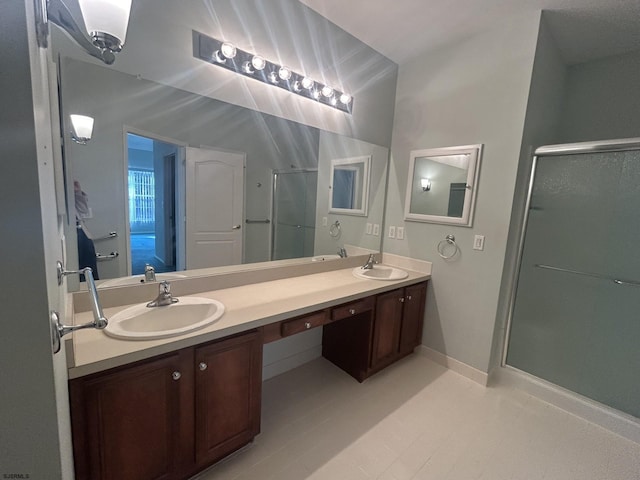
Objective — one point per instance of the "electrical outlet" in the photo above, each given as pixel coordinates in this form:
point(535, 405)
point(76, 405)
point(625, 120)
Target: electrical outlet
point(392, 232)
point(478, 242)
point(400, 233)
point(369, 227)
point(324, 221)
point(376, 229)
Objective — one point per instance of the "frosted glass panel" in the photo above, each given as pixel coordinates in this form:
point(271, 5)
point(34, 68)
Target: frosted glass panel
point(294, 211)
point(582, 332)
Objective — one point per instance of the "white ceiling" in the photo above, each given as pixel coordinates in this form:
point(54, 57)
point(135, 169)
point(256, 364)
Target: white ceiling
point(401, 29)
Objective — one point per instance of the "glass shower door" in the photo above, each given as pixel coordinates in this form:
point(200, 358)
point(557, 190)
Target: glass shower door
point(294, 214)
point(576, 316)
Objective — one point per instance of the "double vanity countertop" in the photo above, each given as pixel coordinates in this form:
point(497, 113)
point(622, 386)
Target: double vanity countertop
point(246, 307)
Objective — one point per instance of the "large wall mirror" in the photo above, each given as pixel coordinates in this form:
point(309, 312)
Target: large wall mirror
point(349, 188)
point(442, 185)
point(190, 182)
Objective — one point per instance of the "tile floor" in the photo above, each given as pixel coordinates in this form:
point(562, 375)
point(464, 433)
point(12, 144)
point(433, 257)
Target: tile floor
point(418, 420)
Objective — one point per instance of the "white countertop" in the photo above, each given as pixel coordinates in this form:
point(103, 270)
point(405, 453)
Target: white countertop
point(246, 307)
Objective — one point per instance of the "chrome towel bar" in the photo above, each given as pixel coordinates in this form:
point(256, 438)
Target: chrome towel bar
point(617, 281)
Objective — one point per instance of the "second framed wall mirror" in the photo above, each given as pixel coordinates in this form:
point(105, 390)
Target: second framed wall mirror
point(349, 185)
point(442, 185)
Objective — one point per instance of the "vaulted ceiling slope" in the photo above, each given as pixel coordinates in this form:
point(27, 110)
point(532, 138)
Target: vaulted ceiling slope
point(402, 29)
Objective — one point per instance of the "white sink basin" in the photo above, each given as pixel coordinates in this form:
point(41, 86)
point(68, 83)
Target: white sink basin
point(380, 272)
point(137, 279)
point(147, 323)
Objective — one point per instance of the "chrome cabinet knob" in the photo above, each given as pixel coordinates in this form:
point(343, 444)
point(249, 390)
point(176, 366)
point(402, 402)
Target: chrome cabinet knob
point(401, 299)
point(202, 366)
point(236, 227)
point(307, 325)
point(176, 375)
point(352, 311)
point(408, 297)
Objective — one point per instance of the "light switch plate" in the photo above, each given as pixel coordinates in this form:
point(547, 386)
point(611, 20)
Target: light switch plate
point(324, 221)
point(376, 229)
point(392, 232)
point(369, 227)
point(478, 242)
point(400, 233)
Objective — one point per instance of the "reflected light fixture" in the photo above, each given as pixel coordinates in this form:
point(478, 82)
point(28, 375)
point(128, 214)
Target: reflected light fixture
point(81, 128)
point(227, 55)
point(106, 24)
point(426, 184)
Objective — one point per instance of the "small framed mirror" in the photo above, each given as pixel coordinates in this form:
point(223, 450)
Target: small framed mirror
point(349, 185)
point(441, 186)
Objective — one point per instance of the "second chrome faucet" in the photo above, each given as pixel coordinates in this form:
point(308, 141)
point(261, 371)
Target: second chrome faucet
point(164, 297)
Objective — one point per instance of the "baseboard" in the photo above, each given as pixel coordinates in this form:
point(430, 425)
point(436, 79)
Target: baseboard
point(613, 420)
point(457, 366)
point(289, 363)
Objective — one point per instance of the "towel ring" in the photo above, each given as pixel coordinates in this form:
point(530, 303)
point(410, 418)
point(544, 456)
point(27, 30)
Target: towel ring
point(335, 229)
point(442, 246)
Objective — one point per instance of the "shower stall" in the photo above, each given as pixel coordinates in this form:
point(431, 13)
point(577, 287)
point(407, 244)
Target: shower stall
point(574, 316)
point(294, 214)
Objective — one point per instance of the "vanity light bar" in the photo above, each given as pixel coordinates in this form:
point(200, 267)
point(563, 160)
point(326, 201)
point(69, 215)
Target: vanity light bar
point(226, 55)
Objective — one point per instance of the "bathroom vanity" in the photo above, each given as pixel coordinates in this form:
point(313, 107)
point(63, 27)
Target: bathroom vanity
point(191, 401)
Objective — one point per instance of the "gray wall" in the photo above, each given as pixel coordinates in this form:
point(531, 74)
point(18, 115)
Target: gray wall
point(602, 101)
point(472, 92)
point(353, 228)
point(34, 418)
point(542, 127)
point(159, 48)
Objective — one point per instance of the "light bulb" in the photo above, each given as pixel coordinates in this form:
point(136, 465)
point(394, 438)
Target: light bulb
point(307, 83)
point(228, 50)
point(284, 73)
point(345, 98)
point(258, 62)
point(327, 91)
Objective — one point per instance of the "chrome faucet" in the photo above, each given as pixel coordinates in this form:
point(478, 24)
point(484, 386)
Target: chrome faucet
point(371, 261)
point(164, 297)
point(149, 273)
point(342, 252)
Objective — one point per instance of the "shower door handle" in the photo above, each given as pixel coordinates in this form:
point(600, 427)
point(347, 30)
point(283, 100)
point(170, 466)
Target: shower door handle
point(236, 227)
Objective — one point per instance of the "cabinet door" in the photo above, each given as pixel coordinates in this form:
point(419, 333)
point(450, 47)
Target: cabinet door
point(228, 382)
point(127, 424)
point(412, 317)
point(386, 335)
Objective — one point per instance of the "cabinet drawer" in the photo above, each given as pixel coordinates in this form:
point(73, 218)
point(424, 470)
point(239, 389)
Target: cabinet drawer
point(297, 325)
point(353, 308)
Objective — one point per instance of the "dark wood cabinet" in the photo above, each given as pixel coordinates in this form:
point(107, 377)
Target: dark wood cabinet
point(165, 418)
point(412, 317)
point(228, 385)
point(367, 335)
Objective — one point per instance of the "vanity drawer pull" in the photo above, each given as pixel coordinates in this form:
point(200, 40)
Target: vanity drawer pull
point(353, 308)
point(302, 324)
point(176, 375)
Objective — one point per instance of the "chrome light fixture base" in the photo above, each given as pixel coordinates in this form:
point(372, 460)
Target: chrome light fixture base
point(255, 66)
point(107, 42)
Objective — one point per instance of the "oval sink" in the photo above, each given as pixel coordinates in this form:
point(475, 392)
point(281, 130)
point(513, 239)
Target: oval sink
point(147, 323)
point(380, 272)
point(137, 279)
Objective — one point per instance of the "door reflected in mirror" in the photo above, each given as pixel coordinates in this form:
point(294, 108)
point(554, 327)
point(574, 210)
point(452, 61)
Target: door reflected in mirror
point(349, 185)
point(441, 185)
